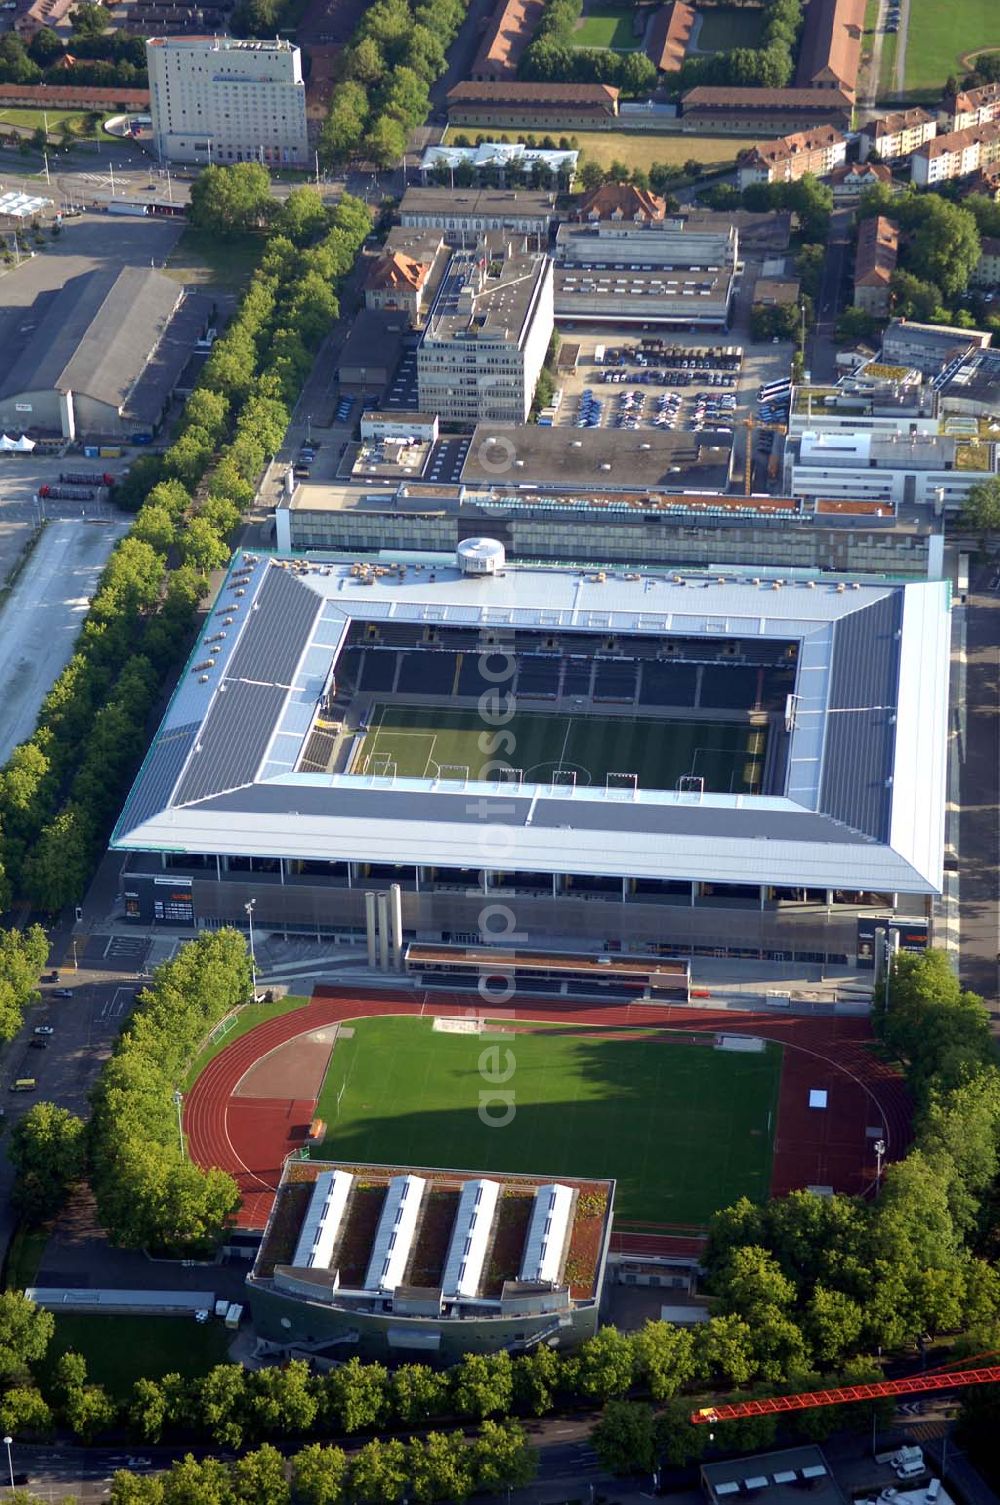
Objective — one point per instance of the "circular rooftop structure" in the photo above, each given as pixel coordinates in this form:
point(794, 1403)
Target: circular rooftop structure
point(481, 556)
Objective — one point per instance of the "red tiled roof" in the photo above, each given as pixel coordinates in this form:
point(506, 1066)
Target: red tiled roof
point(830, 51)
point(511, 28)
point(621, 200)
point(875, 258)
point(717, 96)
point(534, 94)
point(668, 36)
point(899, 120)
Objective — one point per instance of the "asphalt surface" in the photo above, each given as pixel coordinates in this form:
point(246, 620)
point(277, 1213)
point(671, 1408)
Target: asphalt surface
point(979, 791)
point(42, 616)
point(821, 353)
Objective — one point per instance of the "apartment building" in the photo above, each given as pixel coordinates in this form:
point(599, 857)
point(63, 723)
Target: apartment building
point(956, 155)
point(874, 264)
point(975, 107)
point(216, 99)
point(486, 337)
point(849, 181)
point(987, 271)
point(786, 160)
point(929, 348)
point(897, 135)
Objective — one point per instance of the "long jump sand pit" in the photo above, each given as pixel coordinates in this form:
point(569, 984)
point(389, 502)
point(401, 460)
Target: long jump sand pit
point(296, 1069)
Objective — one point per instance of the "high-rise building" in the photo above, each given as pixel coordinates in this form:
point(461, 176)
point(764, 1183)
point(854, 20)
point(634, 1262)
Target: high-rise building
point(216, 99)
point(487, 334)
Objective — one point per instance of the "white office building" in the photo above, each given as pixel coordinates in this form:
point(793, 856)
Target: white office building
point(913, 469)
point(216, 99)
point(485, 341)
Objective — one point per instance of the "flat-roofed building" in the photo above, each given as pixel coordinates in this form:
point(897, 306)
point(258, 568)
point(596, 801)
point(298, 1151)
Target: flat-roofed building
point(658, 272)
point(830, 46)
point(534, 105)
point(929, 348)
point(486, 336)
point(470, 211)
point(896, 135)
point(874, 263)
point(817, 151)
point(932, 470)
point(769, 111)
point(488, 1280)
point(511, 161)
point(219, 100)
point(957, 155)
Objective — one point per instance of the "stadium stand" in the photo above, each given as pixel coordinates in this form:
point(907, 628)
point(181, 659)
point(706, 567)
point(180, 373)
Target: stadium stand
point(577, 675)
point(431, 673)
point(615, 679)
point(378, 670)
point(729, 688)
point(668, 684)
point(538, 677)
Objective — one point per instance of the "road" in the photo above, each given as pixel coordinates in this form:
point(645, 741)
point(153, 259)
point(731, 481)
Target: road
point(868, 93)
point(40, 620)
point(979, 792)
point(821, 358)
point(899, 74)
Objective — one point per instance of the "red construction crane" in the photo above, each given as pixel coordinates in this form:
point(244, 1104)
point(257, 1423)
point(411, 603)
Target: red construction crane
point(917, 1384)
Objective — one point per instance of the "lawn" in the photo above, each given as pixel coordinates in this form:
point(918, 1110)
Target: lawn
point(724, 28)
point(247, 1019)
point(120, 1350)
point(31, 119)
point(607, 27)
point(643, 148)
point(424, 742)
point(683, 1128)
point(204, 257)
point(940, 35)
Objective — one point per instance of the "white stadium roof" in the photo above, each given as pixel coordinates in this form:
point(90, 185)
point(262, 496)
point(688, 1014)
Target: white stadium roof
point(862, 805)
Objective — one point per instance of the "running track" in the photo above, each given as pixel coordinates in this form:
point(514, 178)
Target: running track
point(250, 1137)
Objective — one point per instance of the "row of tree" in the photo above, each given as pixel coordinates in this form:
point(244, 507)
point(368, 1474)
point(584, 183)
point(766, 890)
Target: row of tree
point(770, 65)
point(60, 790)
point(384, 79)
point(443, 1466)
point(553, 57)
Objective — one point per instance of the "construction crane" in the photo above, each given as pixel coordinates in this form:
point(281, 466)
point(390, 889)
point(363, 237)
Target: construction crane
point(947, 1378)
point(750, 423)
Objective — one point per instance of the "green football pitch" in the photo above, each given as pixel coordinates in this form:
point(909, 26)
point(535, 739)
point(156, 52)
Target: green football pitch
point(683, 1128)
point(426, 742)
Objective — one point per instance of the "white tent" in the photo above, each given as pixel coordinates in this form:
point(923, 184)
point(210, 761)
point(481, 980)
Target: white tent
point(6, 443)
point(23, 446)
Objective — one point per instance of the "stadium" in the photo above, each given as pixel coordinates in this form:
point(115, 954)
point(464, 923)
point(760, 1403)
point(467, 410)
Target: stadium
point(684, 764)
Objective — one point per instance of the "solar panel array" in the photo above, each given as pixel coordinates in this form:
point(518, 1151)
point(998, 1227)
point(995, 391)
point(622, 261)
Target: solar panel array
point(394, 1234)
point(284, 613)
point(322, 1221)
point(233, 741)
point(152, 789)
point(547, 1234)
point(860, 734)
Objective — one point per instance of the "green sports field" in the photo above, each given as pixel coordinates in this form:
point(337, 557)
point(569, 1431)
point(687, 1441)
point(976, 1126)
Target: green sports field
point(428, 742)
point(683, 1128)
point(607, 26)
point(939, 36)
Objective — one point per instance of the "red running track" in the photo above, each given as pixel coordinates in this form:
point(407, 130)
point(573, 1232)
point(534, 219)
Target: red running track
point(250, 1137)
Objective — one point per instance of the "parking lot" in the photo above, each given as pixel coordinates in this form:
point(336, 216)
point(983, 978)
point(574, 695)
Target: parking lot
point(677, 383)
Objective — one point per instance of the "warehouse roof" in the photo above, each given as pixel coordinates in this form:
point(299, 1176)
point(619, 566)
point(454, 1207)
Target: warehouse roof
point(615, 458)
point(863, 804)
point(94, 336)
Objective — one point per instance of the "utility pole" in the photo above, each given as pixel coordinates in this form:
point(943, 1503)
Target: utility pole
point(178, 1100)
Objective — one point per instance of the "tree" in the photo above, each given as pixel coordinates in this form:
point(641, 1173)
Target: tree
point(855, 324)
point(623, 1439)
point(48, 1150)
point(205, 1482)
point(605, 1364)
point(88, 19)
point(502, 1457)
point(385, 142)
point(230, 199)
point(302, 217)
point(536, 1377)
point(281, 1401)
point(356, 1395)
point(45, 47)
point(25, 1332)
point(981, 509)
point(24, 1412)
point(483, 1384)
point(89, 1410)
point(23, 954)
point(724, 1349)
point(417, 1393)
point(440, 1468)
point(258, 1478)
point(664, 1357)
point(222, 1403)
point(319, 1475)
point(378, 1473)
point(834, 1323)
point(202, 547)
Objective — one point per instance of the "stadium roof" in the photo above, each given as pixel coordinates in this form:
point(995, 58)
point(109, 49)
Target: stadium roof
point(863, 802)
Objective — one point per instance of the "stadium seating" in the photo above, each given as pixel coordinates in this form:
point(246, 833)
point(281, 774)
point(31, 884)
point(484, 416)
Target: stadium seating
point(669, 683)
point(778, 685)
point(615, 679)
point(378, 669)
point(576, 676)
point(538, 678)
point(727, 689)
point(430, 673)
point(470, 678)
point(348, 669)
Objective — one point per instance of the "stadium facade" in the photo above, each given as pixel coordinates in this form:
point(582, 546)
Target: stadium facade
point(681, 764)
